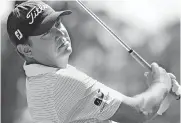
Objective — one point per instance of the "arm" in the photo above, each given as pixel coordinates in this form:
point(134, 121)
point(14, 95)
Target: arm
point(144, 106)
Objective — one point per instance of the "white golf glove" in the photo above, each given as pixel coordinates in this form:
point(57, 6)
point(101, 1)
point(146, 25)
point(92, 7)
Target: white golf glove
point(175, 90)
point(169, 98)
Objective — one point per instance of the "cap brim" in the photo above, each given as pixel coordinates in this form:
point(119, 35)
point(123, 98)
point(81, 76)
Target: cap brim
point(49, 21)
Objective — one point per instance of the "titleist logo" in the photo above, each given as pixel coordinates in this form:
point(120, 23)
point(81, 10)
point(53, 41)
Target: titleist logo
point(35, 11)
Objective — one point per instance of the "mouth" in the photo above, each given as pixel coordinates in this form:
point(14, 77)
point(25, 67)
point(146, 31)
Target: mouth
point(64, 42)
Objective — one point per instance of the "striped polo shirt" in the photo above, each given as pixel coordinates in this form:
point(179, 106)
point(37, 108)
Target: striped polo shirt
point(67, 95)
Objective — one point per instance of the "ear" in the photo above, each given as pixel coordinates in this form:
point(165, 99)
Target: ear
point(25, 49)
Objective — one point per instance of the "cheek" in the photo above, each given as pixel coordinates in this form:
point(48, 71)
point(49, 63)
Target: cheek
point(49, 50)
point(45, 49)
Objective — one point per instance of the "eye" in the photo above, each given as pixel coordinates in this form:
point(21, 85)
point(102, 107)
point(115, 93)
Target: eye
point(56, 24)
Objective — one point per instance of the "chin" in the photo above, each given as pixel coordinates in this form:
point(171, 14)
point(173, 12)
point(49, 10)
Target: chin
point(67, 53)
point(69, 49)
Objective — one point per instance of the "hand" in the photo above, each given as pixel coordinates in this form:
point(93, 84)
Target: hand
point(158, 74)
point(168, 99)
point(176, 88)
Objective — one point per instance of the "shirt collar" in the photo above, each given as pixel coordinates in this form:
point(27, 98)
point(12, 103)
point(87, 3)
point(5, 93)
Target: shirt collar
point(37, 69)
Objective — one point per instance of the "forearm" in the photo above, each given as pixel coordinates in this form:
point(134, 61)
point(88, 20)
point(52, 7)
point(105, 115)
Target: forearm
point(144, 106)
point(150, 100)
point(133, 109)
point(156, 92)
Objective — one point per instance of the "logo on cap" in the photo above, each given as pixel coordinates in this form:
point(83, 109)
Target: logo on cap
point(35, 11)
point(18, 34)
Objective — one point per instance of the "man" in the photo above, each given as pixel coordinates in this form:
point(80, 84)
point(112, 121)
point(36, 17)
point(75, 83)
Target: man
point(59, 93)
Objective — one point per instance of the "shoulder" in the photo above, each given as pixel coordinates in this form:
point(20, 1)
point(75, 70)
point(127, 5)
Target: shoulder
point(72, 73)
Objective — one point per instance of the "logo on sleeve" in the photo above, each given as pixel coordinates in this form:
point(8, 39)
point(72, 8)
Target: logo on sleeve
point(98, 101)
point(99, 98)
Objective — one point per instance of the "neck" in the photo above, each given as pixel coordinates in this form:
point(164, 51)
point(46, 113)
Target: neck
point(61, 63)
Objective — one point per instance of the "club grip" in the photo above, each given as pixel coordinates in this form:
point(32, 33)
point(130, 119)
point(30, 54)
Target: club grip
point(145, 64)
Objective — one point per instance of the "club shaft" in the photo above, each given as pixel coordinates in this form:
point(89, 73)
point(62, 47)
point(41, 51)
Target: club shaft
point(104, 25)
point(134, 54)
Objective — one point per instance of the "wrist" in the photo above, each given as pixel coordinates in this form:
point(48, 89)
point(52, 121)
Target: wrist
point(155, 95)
point(163, 85)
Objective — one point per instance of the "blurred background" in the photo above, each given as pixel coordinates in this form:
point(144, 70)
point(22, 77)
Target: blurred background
point(151, 27)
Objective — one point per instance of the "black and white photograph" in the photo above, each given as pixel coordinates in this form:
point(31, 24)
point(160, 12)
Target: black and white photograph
point(90, 61)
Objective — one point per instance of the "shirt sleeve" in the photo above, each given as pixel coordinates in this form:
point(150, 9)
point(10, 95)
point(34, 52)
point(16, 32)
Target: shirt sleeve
point(82, 98)
point(99, 102)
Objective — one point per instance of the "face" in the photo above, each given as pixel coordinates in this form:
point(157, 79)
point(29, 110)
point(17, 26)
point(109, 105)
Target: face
point(53, 47)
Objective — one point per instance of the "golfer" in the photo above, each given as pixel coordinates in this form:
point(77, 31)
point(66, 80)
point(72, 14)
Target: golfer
point(58, 92)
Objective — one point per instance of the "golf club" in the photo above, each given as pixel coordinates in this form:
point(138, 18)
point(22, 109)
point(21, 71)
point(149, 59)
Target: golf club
point(134, 54)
